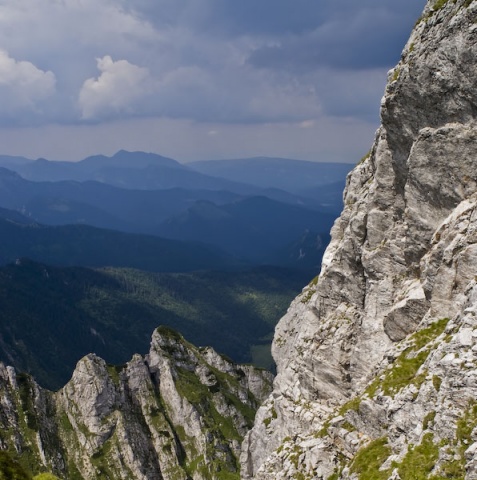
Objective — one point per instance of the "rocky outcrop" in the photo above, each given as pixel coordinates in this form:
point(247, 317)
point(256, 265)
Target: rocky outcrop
point(376, 359)
point(179, 413)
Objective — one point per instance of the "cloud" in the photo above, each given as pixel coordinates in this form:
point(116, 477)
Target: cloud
point(118, 90)
point(23, 86)
point(307, 124)
point(265, 18)
point(371, 39)
point(207, 60)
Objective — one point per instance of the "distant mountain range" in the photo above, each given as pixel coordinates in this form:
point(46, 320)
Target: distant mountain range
point(99, 204)
point(252, 209)
point(84, 245)
point(147, 171)
point(255, 228)
point(131, 170)
point(293, 176)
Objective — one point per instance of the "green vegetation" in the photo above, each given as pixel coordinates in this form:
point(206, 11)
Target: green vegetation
point(190, 387)
point(307, 296)
point(219, 461)
point(348, 426)
point(314, 281)
point(441, 3)
point(419, 460)
point(428, 419)
point(403, 371)
point(51, 317)
point(364, 157)
point(454, 467)
point(10, 469)
point(352, 404)
point(466, 425)
point(45, 476)
point(423, 337)
point(369, 459)
point(273, 416)
point(436, 382)
point(438, 5)
point(417, 464)
point(114, 372)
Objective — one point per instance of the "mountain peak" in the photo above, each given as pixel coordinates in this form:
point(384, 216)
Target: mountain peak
point(127, 159)
point(180, 412)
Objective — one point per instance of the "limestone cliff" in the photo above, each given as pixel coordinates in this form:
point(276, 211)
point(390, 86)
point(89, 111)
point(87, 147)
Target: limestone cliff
point(377, 358)
point(179, 413)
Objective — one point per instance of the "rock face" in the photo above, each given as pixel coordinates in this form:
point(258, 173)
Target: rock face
point(179, 413)
point(377, 358)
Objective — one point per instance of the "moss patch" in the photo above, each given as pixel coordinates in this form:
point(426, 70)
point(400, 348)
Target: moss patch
point(440, 4)
point(437, 382)
point(428, 419)
point(402, 374)
point(403, 371)
point(420, 460)
point(351, 405)
point(369, 459)
point(10, 469)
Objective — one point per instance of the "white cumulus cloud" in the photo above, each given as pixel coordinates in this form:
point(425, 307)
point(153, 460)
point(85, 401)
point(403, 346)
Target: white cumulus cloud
point(22, 84)
point(119, 89)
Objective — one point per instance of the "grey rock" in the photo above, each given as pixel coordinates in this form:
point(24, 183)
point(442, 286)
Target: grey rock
point(179, 413)
point(401, 263)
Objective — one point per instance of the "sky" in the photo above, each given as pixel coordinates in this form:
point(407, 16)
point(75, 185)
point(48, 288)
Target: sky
point(197, 79)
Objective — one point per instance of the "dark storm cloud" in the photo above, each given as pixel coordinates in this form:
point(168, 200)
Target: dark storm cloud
point(203, 60)
point(372, 38)
point(276, 18)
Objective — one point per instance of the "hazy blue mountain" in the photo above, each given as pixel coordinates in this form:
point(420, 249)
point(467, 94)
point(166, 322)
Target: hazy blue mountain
point(250, 228)
point(102, 205)
point(47, 170)
point(62, 211)
point(131, 170)
point(153, 177)
point(258, 228)
point(11, 161)
point(125, 159)
point(97, 204)
point(141, 171)
point(329, 197)
point(265, 172)
point(89, 246)
point(52, 316)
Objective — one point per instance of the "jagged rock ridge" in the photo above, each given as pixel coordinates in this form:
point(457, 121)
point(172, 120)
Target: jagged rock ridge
point(377, 359)
point(179, 413)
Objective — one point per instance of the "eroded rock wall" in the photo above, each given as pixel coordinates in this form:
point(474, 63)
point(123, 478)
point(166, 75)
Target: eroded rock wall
point(402, 259)
point(180, 412)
